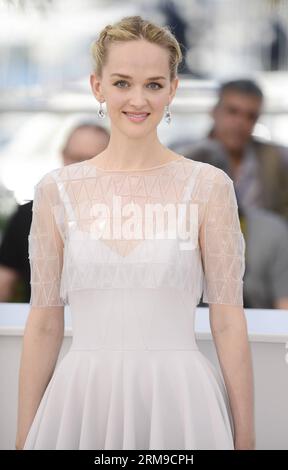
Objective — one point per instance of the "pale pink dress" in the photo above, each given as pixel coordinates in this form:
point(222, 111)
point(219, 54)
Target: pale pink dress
point(134, 377)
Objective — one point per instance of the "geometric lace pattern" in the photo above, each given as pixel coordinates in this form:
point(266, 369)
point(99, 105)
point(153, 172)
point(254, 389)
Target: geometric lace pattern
point(66, 255)
point(223, 245)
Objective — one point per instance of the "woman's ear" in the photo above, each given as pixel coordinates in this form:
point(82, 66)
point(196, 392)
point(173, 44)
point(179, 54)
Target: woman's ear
point(95, 83)
point(173, 87)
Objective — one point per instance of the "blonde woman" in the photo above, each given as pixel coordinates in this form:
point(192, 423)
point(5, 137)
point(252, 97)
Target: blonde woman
point(134, 377)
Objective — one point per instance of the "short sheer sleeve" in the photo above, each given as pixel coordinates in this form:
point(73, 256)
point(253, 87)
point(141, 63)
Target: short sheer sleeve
point(222, 244)
point(45, 247)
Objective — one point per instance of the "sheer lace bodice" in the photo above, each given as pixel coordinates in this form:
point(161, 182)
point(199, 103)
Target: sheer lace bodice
point(73, 205)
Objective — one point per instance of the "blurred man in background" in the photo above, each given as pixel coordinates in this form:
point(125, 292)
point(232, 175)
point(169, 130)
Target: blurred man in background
point(83, 141)
point(266, 259)
point(258, 169)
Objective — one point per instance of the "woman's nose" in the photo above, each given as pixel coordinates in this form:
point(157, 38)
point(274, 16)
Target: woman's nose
point(137, 98)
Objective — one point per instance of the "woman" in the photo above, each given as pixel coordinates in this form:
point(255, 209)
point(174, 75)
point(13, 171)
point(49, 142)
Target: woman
point(134, 377)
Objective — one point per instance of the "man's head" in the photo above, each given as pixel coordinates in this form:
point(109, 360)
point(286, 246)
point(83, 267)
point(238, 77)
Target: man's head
point(84, 142)
point(236, 112)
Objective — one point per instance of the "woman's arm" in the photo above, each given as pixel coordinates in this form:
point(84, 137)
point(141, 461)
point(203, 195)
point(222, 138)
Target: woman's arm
point(42, 341)
point(229, 330)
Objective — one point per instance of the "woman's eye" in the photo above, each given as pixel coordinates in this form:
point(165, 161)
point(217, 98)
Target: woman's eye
point(152, 83)
point(119, 81)
point(158, 85)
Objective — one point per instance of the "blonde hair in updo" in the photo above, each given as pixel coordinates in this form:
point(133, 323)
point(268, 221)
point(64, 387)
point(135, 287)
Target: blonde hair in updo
point(131, 28)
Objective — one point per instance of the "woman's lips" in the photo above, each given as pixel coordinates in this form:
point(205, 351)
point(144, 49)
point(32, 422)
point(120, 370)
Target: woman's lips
point(137, 117)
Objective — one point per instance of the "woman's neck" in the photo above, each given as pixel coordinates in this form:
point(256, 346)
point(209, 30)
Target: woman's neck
point(133, 154)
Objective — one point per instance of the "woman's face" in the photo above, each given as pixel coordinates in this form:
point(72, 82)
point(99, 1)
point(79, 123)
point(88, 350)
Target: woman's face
point(135, 79)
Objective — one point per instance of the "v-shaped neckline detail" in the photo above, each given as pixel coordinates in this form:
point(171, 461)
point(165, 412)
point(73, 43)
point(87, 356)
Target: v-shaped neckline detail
point(130, 253)
point(140, 241)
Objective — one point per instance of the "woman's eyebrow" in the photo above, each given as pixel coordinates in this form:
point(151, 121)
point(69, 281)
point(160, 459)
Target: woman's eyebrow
point(127, 76)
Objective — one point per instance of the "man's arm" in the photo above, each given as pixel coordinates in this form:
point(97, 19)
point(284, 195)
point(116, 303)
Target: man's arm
point(8, 281)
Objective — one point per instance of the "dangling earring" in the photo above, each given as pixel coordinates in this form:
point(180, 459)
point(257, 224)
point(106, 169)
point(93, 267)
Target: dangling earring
point(101, 113)
point(167, 114)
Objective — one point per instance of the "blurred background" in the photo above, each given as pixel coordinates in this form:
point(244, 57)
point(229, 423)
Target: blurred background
point(45, 65)
point(48, 118)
